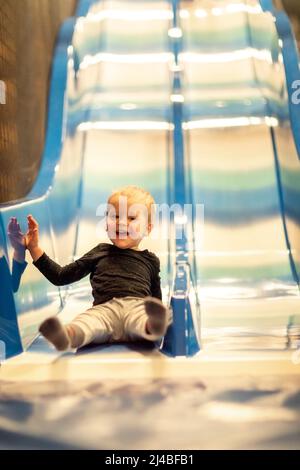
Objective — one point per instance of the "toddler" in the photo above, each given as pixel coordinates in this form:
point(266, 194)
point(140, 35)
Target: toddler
point(125, 280)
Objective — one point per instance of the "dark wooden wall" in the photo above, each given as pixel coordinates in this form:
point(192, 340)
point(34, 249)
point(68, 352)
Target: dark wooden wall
point(28, 30)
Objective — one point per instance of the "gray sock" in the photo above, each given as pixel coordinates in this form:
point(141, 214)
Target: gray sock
point(157, 316)
point(55, 332)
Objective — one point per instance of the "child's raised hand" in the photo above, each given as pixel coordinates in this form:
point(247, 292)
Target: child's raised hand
point(15, 235)
point(32, 235)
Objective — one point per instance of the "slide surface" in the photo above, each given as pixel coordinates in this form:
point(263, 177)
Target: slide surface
point(118, 74)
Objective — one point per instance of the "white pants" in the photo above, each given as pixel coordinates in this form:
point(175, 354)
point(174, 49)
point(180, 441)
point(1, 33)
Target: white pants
point(119, 319)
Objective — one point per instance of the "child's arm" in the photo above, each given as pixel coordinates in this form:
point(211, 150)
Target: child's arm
point(58, 275)
point(155, 284)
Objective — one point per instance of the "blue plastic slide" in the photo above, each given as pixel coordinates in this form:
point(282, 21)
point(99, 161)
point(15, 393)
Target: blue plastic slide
point(196, 102)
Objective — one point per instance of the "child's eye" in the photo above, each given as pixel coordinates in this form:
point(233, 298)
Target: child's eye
point(131, 218)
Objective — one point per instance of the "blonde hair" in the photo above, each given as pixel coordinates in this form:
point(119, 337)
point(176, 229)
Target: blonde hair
point(135, 195)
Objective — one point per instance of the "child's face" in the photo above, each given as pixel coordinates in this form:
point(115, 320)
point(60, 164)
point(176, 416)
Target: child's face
point(127, 222)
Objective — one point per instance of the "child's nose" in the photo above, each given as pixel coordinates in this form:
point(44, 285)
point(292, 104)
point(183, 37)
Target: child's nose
point(122, 223)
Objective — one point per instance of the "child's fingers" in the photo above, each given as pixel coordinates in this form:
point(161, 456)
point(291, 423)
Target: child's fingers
point(32, 231)
point(13, 225)
point(32, 223)
point(31, 219)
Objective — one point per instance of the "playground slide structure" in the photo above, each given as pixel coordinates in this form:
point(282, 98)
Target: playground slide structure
point(196, 102)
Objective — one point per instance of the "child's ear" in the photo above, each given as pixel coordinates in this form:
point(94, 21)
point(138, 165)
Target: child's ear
point(149, 228)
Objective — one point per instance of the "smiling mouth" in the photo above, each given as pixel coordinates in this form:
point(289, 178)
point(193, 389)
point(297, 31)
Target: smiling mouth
point(122, 233)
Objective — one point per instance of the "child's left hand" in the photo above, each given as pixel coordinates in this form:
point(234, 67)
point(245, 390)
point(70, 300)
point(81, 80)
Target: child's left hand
point(15, 235)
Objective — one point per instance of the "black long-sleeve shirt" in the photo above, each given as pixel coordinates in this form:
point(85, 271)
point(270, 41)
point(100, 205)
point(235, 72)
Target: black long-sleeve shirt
point(114, 272)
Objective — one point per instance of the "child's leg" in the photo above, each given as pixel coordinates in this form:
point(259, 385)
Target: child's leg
point(146, 318)
point(97, 324)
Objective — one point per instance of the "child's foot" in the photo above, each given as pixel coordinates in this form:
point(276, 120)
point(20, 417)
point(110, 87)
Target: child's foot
point(157, 316)
point(54, 331)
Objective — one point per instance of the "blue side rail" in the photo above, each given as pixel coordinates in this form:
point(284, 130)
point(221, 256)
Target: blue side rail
point(291, 64)
point(183, 337)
